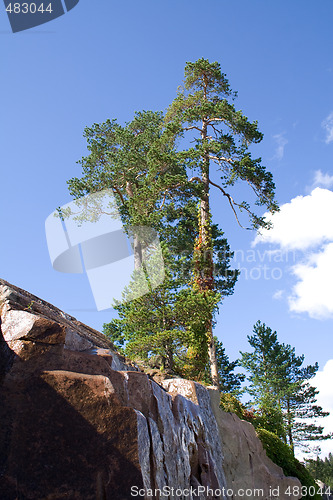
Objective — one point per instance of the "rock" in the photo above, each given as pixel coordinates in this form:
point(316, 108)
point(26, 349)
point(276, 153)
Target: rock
point(77, 422)
point(325, 491)
point(66, 435)
point(246, 465)
point(76, 342)
point(22, 325)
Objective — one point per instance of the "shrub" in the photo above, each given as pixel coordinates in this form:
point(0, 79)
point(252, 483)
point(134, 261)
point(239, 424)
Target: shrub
point(281, 454)
point(229, 403)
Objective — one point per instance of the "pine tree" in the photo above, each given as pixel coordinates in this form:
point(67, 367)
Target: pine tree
point(263, 367)
point(167, 322)
point(139, 164)
point(153, 325)
point(222, 135)
point(279, 385)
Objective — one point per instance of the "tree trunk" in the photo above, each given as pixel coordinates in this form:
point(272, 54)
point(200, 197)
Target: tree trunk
point(207, 277)
point(290, 434)
point(212, 359)
point(137, 250)
point(169, 357)
point(137, 246)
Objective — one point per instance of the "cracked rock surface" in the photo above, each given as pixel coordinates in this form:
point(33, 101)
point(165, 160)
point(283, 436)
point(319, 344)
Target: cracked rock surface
point(77, 423)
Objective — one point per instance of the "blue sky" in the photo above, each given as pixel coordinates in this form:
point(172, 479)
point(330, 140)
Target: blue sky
point(109, 59)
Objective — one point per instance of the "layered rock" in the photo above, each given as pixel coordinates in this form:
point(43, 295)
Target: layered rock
point(77, 422)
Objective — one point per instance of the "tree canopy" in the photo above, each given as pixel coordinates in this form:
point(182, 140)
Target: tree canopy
point(149, 164)
point(280, 388)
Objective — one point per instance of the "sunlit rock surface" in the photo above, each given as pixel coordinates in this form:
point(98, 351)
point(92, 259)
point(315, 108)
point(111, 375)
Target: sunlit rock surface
point(78, 423)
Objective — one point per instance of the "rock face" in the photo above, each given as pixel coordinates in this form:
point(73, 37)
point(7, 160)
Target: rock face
point(255, 471)
point(78, 423)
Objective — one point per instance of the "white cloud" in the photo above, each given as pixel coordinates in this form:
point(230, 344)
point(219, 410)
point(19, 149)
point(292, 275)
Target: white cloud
point(281, 142)
point(327, 125)
point(303, 223)
point(322, 180)
point(278, 295)
point(313, 293)
point(323, 382)
point(305, 226)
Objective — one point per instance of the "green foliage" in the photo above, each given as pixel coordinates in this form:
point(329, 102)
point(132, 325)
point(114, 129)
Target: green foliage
point(115, 334)
point(222, 136)
point(321, 469)
point(280, 389)
point(229, 403)
point(148, 175)
point(168, 323)
point(152, 324)
point(282, 455)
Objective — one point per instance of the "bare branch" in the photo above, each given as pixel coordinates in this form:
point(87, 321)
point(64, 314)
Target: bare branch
point(232, 203)
point(257, 192)
point(141, 174)
point(215, 130)
point(165, 193)
point(192, 128)
point(220, 159)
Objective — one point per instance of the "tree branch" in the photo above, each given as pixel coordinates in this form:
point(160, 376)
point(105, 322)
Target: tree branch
point(164, 198)
point(192, 128)
point(219, 160)
point(196, 179)
point(167, 191)
point(117, 190)
point(232, 203)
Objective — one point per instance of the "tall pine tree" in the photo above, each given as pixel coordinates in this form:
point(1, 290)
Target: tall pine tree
point(204, 114)
point(139, 164)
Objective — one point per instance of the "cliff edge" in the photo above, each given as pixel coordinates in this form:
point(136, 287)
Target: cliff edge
point(78, 423)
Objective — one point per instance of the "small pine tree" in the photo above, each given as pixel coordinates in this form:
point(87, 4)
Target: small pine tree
point(280, 389)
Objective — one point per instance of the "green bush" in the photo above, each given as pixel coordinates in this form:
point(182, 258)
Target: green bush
point(230, 403)
point(321, 469)
point(281, 454)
